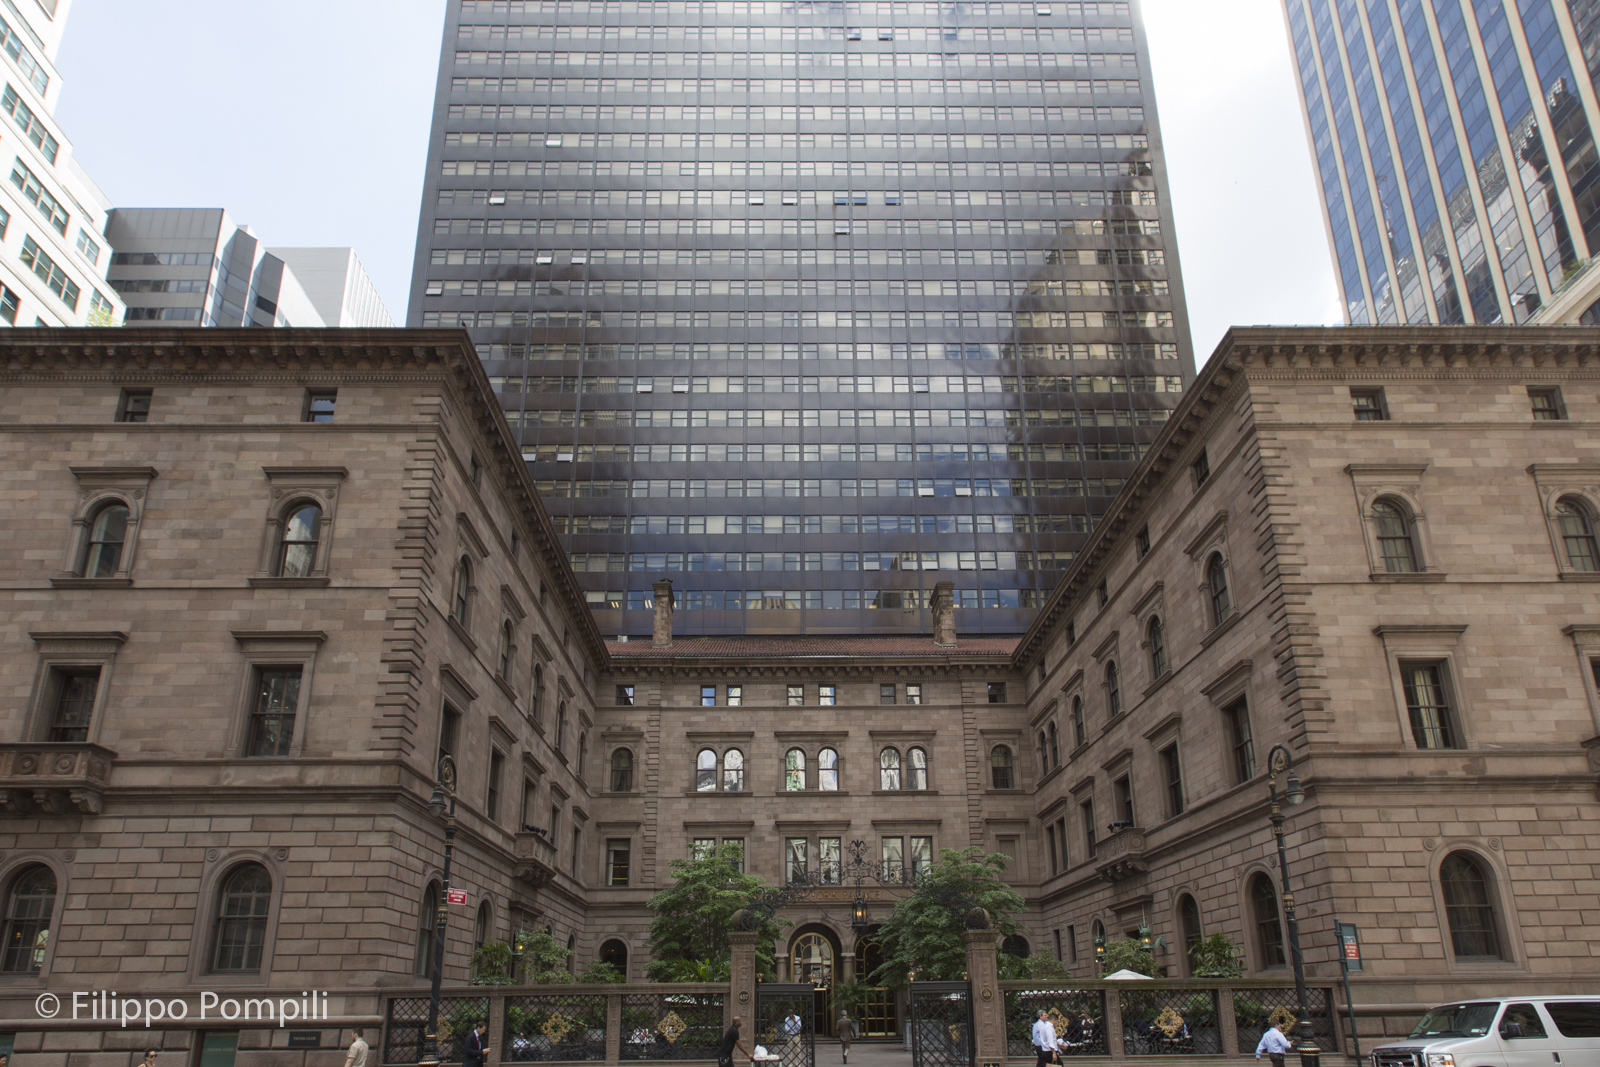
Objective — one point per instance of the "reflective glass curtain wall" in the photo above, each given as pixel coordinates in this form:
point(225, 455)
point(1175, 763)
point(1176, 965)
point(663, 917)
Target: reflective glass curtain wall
point(810, 306)
point(1493, 84)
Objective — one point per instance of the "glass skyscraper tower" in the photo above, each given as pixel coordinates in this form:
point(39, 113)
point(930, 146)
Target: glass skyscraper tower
point(809, 306)
point(1454, 144)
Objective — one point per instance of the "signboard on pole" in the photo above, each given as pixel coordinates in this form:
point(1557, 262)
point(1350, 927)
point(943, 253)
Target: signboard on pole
point(457, 896)
point(1349, 946)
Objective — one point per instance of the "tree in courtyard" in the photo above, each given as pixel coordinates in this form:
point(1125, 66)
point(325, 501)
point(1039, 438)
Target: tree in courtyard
point(692, 918)
point(1127, 954)
point(923, 936)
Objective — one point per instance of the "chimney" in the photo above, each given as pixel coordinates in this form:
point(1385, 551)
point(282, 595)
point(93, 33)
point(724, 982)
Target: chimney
point(663, 627)
point(944, 614)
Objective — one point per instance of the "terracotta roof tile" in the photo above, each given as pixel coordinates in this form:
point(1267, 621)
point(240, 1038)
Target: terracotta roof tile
point(852, 647)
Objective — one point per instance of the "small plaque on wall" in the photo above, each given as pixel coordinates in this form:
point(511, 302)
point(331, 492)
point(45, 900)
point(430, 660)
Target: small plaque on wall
point(305, 1038)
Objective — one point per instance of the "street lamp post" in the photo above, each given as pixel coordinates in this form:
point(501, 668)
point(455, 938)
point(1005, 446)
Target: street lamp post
point(1281, 762)
point(443, 806)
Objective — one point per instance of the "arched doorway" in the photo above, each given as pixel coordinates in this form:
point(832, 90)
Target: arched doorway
point(875, 1016)
point(814, 960)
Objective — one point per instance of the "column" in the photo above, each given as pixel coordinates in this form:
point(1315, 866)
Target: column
point(988, 1002)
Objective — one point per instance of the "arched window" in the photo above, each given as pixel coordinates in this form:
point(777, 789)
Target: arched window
point(561, 725)
point(1113, 691)
point(461, 591)
point(1000, 768)
point(241, 926)
point(794, 771)
point(615, 953)
point(427, 931)
point(583, 751)
point(1269, 930)
point(1189, 920)
point(1468, 905)
point(705, 771)
point(536, 694)
point(889, 769)
point(108, 532)
point(572, 953)
point(1158, 648)
point(30, 901)
point(1577, 534)
point(1055, 744)
point(622, 771)
point(917, 769)
point(1217, 584)
point(480, 930)
point(733, 771)
point(828, 771)
point(297, 550)
point(1395, 544)
point(503, 666)
point(1016, 945)
point(1080, 730)
point(1044, 753)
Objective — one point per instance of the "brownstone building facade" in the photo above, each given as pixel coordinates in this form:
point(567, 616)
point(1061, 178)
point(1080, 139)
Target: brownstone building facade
point(253, 588)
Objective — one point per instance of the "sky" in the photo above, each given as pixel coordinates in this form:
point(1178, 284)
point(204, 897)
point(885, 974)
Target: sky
point(309, 119)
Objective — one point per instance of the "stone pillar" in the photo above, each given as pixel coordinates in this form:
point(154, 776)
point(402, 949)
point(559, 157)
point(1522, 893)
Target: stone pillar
point(1227, 1022)
point(613, 1028)
point(1114, 1044)
point(944, 614)
point(742, 988)
point(662, 638)
point(988, 1003)
point(496, 1021)
point(847, 966)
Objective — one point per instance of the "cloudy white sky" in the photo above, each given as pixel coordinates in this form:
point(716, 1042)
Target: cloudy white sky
point(308, 120)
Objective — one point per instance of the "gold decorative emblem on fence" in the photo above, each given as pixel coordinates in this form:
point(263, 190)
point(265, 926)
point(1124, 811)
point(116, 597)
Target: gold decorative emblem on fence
point(445, 1030)
point(557, 1027)
point(672, 1027)
point(1059, 1021)
point(1169, 1022)
point(955, 1031)
point(1281, 1016)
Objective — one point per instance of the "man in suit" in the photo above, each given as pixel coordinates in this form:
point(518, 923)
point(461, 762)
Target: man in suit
point(476, 1047)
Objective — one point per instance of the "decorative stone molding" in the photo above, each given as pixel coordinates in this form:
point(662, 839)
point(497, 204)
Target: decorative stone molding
point(288, 486)
point(1555, 482)
point(54, 778)
point(98, 487)
point(1401, 484)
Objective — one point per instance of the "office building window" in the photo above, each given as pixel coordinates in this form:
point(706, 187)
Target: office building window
point(618, 854)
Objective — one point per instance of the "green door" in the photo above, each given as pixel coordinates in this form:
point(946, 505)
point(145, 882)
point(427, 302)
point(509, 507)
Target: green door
point(218, 1049)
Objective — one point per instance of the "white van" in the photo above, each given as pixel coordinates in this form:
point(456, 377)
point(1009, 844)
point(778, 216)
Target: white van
point(1502, 1032)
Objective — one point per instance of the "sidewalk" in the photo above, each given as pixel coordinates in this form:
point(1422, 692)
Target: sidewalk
point(891, 1054)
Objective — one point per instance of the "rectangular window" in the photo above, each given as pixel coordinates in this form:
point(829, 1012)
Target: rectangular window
point(71, 702)
point(34, 192)
point(827, 695)
point(708, 696)
point(1057, 935)
point(1369, 405)
point(794, 860)
point(1201, 468)
point(449, 727)
point(1087, 810)
point(1173, 774)
point(1050, 841)
point(88, 246)
point(797, 695)
point(913, 692)
point(277, 695)
point(1141, 541)
point(1428, 705)
point(54, 278)
point(618, 852)
point(735, 696)
point(829, 858)
point(1123, 790)
point(1102, 593)
point(997, 692)
point(1061, 841)
point(530, 792)
point(319, 405)
point(886, 694)
point(10, 304)
point(555, 817)
point(1072, 944)
point(577, 853)
point(134, 405)
point(497, 768)
point(893, 854)
point(702, 847)
point(26, 120)
point(920, 855)
point(1242, 740)
point(1547, 403)
point(738, 862)
point(624, 696)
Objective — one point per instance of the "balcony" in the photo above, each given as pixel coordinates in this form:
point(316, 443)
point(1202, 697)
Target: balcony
point(533, 855)
point(53, 777)
point(1121, 856)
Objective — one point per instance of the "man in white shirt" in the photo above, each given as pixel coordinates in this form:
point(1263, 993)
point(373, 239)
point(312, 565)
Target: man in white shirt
point(1275, 1043)
point(1044, 1039)
point(357, 1056)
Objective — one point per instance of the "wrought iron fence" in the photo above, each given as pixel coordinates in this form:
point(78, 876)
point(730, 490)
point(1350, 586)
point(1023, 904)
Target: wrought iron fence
point(1170, 1022)
point(671, 1026)
point(784, 1023)
point(941, 1024)
point(546, 1028)
point(1078, 1016)
point(408, 1022)
point(1256, 1009)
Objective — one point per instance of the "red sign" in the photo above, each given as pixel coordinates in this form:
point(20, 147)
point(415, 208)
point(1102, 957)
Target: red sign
point(457, 896)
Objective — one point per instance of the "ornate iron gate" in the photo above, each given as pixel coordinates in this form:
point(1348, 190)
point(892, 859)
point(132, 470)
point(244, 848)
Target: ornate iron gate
point(784, 1023)
point(941, 1024)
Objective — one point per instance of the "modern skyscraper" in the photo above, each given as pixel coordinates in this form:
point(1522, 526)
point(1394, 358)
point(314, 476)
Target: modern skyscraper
point(53, 254)
point(1455, 149)
point(817, 303)
point(338, 285)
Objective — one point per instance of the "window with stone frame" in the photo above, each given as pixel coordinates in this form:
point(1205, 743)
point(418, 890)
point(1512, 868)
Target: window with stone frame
point(622, 770)
point(1241, 740)
point(1397, 547)
point(1001, 768)
point(239, 931)
point(29, 910)
point(1428, 705)
point(1267, 922)
point(828, 770)
point(301, 515)
point(1576, 523)
point(1467, 885)
point(105, 524)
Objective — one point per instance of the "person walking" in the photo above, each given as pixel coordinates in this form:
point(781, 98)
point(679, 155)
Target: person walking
point(847, 1032)
point(476, 1048)
point(1275, 1043)
point(356, 1057)
point(792, 1027)
point(148, 1061)
point(1045, 1040)
point(729, 1042)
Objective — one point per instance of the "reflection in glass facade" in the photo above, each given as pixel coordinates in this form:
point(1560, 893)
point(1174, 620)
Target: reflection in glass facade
point(809, 306)
point(1455, 150)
